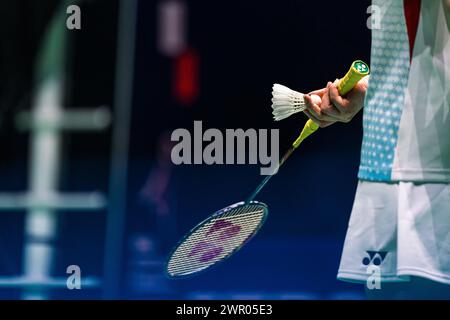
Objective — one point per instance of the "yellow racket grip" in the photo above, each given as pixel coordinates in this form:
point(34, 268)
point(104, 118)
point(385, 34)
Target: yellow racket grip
point(309, 128)
point(357, 71)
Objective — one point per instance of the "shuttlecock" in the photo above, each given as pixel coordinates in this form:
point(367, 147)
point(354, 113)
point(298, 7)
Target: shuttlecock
point(286, 102)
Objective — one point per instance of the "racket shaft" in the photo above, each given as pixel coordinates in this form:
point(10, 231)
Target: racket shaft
point(267, 178)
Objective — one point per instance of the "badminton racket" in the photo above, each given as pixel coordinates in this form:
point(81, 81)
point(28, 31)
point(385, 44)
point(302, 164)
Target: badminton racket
point(226, 231)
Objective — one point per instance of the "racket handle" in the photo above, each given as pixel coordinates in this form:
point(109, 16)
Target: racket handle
point(357, 71)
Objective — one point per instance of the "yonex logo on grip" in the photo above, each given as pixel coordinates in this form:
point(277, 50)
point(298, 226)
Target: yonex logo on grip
point(221, 230)
point(361, 67)
point(374, 258)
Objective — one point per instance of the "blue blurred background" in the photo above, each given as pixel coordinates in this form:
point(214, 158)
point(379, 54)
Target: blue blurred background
point(147, 68)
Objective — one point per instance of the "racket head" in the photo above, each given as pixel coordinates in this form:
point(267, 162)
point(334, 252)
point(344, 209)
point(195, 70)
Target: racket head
point(215, 239)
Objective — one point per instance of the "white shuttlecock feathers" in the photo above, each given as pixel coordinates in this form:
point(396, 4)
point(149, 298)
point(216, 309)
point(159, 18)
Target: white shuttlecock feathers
point(286, 102)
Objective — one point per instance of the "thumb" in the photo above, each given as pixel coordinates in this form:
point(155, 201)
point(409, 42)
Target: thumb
point(319, 92)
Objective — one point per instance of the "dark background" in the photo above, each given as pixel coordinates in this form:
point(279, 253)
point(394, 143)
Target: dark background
point(243, 47)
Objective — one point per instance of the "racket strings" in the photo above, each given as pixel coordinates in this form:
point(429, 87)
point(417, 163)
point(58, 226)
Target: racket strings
point(216, 239)
point(215, 253)
point(205, 246)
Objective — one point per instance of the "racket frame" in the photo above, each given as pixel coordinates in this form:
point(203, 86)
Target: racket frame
point(202, 223)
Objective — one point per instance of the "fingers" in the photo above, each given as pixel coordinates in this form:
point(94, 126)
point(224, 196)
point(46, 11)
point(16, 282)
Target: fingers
point(335, 97)
point(310, 104)
point(352, 103)
point(319, 92)
point(327, 107)
point(333, 107)
point(313, 111)
point(323, 111)
point(321, 123)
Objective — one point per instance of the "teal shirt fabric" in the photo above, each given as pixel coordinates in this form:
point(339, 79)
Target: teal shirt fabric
point(385, 98)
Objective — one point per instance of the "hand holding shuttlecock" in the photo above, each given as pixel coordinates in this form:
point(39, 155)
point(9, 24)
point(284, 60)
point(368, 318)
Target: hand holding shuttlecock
point(286, 102)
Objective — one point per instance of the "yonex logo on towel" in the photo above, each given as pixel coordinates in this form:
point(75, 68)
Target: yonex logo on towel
point(374, 258)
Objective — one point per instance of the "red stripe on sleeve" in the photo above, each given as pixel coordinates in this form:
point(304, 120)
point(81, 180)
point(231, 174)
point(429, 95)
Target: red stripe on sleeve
point(412, 14)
